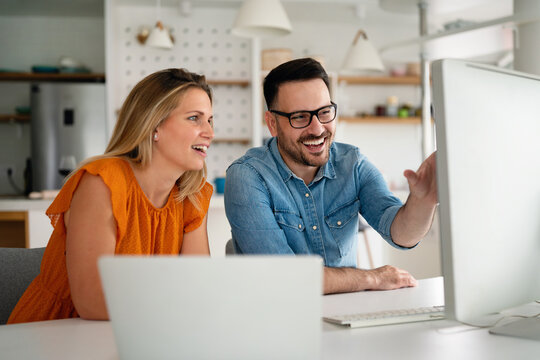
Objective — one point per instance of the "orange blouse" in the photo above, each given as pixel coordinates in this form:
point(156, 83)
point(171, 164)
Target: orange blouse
point(140, 229)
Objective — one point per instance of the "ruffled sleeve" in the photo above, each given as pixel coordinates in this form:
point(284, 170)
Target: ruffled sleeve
point(193, 217)
point(116, 175)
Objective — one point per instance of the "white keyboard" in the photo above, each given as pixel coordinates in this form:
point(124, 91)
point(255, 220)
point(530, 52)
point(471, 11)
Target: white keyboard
point(388, 317)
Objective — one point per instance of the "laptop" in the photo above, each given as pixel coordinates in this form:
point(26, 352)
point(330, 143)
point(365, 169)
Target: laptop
point(237, 307)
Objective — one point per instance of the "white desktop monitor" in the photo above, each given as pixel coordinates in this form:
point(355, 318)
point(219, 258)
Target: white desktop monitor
point(488, 173)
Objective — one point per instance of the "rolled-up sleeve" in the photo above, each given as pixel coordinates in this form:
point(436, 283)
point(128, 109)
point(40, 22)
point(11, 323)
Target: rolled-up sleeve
point(379, 206)
point(248, 207)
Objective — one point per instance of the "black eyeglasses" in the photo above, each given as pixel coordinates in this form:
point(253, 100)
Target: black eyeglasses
point(302, 119)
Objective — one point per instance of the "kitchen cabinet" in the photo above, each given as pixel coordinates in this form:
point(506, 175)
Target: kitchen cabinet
point(23, 223)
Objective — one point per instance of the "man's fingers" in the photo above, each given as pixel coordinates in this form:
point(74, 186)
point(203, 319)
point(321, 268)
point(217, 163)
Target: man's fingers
point(411, 176)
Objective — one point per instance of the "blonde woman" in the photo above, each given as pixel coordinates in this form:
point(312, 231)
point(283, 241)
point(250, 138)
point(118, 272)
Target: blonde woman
point(146, 194)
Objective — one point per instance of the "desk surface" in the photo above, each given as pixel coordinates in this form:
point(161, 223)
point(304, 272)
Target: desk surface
point(442, 339)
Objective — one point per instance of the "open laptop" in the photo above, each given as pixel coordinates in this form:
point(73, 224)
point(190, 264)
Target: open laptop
point(238, 307)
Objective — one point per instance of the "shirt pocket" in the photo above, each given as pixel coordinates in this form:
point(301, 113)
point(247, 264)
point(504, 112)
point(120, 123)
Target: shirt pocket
point(343, 225)
point(289, 221)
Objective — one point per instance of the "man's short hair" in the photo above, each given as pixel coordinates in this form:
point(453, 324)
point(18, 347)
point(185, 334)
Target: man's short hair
point(294, 70)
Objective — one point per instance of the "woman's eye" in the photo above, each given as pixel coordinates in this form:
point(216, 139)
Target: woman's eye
point(193, 118)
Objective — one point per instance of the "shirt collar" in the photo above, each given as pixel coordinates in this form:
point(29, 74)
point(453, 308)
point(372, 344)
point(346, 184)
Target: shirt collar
point(327, 170)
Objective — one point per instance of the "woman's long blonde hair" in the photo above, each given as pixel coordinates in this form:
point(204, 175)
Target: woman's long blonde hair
point(147, 105)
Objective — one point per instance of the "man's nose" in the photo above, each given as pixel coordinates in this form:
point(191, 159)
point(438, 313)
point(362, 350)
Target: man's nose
point(315, 125)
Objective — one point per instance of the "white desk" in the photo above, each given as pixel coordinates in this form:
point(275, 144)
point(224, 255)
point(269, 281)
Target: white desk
point(442, 339)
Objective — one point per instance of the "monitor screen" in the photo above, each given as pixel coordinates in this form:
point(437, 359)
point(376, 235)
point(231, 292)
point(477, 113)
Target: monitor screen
point(488, 173)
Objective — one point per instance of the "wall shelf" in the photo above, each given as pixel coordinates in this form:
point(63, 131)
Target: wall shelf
point(242, 83)
point(232, 141)
point(55, 77)
point(68, 77)
point(509, 21)
point(380, 80)
point(380, 120)
point(20, 118)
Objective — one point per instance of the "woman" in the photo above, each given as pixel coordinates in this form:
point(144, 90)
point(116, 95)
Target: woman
point(146, 195)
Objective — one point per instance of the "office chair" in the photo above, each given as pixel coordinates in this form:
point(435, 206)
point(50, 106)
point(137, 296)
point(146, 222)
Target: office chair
point(18, 267)
point(229, 247)
point(363, 228)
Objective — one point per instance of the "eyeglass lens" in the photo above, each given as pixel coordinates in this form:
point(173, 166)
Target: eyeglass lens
point(303, 118)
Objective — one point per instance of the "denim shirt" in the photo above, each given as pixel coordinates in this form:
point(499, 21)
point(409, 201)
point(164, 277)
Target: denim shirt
point(272, 211)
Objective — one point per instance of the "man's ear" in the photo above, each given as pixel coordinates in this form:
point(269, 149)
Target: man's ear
point(271, 122)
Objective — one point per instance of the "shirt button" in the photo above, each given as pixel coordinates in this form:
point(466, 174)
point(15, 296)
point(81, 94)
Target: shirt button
point(314, 227)
point(307, 195)
point(339, 223)
point(299, 226)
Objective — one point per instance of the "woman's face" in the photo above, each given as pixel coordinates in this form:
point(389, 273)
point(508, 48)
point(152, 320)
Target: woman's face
point(184, 137)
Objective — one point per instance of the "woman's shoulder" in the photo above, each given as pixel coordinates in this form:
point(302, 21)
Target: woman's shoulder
point(114, 169)
point(102, 164)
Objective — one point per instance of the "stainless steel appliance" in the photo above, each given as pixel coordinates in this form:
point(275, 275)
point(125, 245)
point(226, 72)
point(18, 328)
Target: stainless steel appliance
point(68, 125)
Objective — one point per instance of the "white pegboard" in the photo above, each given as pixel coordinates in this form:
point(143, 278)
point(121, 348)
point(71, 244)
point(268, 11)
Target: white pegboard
point(232, 112)
point(201, 46)
point(220, 156)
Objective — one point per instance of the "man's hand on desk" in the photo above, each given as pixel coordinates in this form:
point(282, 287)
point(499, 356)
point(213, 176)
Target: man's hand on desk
point(389, 277)
point(341, 280)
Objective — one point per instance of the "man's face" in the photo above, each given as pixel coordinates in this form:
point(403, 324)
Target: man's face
point(309, 146)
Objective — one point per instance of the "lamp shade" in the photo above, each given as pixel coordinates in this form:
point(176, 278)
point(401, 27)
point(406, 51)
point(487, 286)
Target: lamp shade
point(261, 18)
point(362, 56)
point(159, 37)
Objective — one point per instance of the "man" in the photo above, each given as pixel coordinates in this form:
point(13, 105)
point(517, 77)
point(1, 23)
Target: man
point(301, 193)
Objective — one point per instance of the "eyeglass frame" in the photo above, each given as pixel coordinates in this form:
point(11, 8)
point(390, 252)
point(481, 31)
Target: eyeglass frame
point(311, 112)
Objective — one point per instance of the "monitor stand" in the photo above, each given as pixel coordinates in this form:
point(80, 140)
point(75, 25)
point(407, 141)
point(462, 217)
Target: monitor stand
point(528, 328)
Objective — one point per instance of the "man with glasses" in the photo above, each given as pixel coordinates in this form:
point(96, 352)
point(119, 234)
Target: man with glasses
point(301, 193)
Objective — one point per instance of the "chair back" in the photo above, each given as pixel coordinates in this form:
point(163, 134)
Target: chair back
point(18, 267)
point(229, 247)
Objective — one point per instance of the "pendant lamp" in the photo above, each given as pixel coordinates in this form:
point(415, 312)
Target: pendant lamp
point(362, 55)
point(261, 18)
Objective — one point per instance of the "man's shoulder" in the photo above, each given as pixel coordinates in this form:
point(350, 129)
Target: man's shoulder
point(256, 160)
point(255, 157)
point(341, 151)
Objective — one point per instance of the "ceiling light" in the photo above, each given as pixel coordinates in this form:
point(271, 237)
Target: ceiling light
point(362, 55)
point(261, 18)
point(159, 37)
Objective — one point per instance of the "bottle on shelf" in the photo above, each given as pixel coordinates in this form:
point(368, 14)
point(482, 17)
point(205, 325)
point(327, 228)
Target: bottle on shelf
point(392, 106)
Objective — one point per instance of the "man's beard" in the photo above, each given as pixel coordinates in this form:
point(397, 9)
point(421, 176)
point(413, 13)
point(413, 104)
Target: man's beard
point(299, 156)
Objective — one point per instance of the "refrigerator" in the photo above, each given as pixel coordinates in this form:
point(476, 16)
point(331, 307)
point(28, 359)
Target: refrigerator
point(68, 125)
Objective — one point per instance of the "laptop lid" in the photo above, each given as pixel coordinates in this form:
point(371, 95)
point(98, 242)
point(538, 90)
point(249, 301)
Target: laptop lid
point(239, 307)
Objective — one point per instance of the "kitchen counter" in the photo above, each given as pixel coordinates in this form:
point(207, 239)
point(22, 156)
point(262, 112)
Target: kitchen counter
point(22, 203)
point(23, 222)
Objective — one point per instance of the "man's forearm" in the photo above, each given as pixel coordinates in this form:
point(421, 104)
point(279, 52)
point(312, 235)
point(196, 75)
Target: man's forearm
point(342, 280)
point(412, 222)
point(345, 279)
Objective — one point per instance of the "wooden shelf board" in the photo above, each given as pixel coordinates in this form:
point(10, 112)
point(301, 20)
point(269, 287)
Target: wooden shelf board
point(380, 80)
point(14, 76)
point(232, 141)
point(59, 77)
point(243, 83)
point(6, 118)
point(381, 120)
